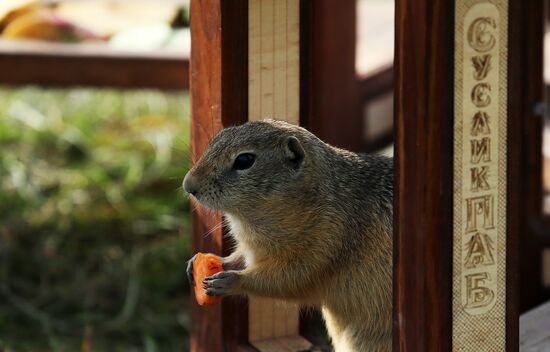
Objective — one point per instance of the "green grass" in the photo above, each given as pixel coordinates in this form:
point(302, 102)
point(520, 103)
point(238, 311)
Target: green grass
point(93, 224)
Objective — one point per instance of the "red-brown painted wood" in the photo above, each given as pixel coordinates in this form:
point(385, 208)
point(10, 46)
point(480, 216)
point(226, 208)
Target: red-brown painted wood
point(526, 48)
point(336, 112)
point(218, 98)
point(423, 175)
point(22, 64)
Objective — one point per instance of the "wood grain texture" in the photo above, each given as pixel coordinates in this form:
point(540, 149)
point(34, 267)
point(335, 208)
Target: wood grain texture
point(479, 270)
point(335, 110)
point(423, 202)
point(423, 180)
point(274, 59)
point(218, 98)
point(274, 91)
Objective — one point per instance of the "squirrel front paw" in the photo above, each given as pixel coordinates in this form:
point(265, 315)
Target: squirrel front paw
point(220, 284)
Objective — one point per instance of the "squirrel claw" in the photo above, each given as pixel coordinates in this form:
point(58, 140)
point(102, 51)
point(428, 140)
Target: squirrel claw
point(190, 270)
point(220, 284)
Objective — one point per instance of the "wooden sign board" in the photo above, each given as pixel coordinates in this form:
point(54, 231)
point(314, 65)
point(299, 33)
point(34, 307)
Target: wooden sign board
point(480, 130)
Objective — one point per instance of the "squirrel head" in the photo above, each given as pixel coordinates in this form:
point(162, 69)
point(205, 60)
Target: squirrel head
point(248, 164)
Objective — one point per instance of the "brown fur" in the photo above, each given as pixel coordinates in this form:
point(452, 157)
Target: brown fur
point(317, 232)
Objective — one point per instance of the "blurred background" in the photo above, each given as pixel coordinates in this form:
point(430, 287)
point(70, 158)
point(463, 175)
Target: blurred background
point(93, 223)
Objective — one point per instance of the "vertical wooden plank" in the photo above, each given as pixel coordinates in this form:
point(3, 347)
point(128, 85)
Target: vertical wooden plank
point(280, 317)
point(292, 323)
point(254, 59)
point(526, 90)
point(274, 35)
point(219, 97)
point(292, 61)
point(267, 307)
point(423, 220)
point(336, 111)
point(206, 47)
point(267, 55)
point(280, 64)
point(423, 183)
point(255, 318)
point(274, 54)
point(526, 52)
point(480, 180)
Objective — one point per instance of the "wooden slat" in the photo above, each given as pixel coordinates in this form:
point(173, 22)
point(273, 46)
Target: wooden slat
point(50, 64)
point(274, 60)
point(274, 91)
point(335, 114)
point(218, 98)
point(526, 49)
point(423, 184)
point(479, 250)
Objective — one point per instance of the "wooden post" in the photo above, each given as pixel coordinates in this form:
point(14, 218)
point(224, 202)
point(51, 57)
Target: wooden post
point(245, 65)
point(527, 49)
point(456, 228)
point(219, 97)
point(336, 109)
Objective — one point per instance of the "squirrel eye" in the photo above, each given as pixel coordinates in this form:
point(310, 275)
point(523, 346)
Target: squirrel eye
point(244, 161)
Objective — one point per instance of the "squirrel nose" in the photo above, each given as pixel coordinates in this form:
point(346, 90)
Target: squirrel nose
point(190, 184)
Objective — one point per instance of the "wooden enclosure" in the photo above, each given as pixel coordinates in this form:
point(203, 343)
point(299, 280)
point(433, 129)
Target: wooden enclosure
point(229, 80)
point(295, 60)
point(234, 78)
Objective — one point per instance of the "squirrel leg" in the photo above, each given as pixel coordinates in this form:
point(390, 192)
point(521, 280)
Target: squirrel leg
point(270, 279)
point(292, 281)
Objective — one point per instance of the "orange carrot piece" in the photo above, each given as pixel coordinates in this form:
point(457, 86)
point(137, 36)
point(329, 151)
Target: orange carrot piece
point(205, 265)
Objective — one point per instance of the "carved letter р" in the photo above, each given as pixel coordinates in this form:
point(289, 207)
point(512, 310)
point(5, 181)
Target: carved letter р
point(480, 95)
point(480, 37)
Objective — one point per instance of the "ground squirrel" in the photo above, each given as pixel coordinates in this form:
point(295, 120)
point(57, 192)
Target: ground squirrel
point(312, 224)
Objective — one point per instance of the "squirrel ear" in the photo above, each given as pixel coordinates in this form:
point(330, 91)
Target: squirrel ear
point(294, 152)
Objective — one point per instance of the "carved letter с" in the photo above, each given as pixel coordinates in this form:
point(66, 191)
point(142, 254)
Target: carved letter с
point(480, 95)
point(480, 37)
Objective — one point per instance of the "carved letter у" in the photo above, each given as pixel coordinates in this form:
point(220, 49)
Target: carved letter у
point(482, 65)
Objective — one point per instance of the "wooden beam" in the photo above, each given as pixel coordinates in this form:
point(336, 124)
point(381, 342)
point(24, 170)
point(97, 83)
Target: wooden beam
point(274, 91)
point(336, 109)
point(219, 97)
point(526, 47)
point(423, 175)
point(63, 65)
point(428, 185)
